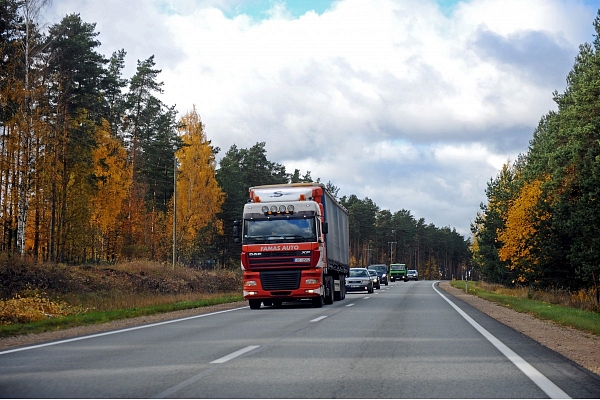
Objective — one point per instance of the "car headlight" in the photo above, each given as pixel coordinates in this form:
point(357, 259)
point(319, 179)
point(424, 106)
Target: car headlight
point(383, 276)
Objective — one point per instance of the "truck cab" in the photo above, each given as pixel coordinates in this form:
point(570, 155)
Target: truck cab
point(398, 272)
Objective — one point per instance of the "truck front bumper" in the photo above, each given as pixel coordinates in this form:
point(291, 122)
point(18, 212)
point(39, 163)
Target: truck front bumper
point(301, 293)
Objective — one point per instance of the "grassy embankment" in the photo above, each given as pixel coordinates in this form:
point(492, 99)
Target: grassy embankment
point(561, 308)
point(38, 298)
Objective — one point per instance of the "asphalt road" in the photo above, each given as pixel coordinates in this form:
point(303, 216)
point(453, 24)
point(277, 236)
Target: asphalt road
point(406, 340)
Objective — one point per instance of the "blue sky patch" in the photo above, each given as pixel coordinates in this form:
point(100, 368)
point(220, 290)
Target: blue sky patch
point(259, 9)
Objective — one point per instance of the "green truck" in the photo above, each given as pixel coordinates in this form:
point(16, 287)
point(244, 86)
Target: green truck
point(398, 272)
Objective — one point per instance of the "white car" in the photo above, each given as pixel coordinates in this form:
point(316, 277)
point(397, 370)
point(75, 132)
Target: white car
point(412, 274)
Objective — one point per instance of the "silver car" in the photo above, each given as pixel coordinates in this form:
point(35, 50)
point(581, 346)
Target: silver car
point(412, 274)
point(359, 281)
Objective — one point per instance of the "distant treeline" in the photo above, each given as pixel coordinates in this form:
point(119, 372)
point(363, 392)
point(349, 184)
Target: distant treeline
point(88, 161)
point(540, 225)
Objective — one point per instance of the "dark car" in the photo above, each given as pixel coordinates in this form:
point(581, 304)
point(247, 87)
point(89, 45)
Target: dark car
point(382, 272)
point(375, 277)
point(359, 280)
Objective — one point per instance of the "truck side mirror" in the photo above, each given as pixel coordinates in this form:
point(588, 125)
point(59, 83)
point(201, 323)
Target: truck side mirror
point(325, 228)
point(236, 231)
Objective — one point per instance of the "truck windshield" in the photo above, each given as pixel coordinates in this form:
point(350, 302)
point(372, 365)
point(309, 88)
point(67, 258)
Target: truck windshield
point(280, 230)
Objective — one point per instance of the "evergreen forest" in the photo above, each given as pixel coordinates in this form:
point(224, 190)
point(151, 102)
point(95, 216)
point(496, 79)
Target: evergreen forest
point(91, 160)
point(539, 226)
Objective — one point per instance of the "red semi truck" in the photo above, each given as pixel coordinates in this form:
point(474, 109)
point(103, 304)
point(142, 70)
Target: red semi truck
point(295, 245)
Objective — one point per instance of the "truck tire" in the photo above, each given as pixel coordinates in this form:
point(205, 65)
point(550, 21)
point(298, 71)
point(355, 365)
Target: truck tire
point(254, 304)
point(341, 295)
point(317, 302)
point(328, 290)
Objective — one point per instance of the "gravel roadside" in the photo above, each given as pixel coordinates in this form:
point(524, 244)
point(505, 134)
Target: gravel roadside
point(580, 347)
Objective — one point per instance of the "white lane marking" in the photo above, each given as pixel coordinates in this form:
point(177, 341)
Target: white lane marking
point(234, 354)
point(553, 391)
point(350, 305)
point(364, 298)
point(318, 319)
point(118, 331)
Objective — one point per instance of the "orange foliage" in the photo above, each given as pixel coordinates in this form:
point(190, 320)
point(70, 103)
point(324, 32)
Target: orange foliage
point(520, 227)
point(113, 179)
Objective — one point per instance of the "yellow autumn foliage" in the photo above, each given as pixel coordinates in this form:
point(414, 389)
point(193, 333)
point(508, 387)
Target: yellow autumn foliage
point(520, 227)
point(199, 197)
point(113, 179)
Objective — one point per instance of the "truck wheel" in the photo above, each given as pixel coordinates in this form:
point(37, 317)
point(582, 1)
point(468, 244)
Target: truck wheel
point(268, 303)
point(317, 302)
point(328, 290)
point(341, 295)
point(254, 304)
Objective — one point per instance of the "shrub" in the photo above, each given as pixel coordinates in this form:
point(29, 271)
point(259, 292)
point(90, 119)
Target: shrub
point(33, 307)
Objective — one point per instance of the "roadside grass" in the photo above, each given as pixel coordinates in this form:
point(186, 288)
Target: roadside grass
point(588, 321)
point(99, 317)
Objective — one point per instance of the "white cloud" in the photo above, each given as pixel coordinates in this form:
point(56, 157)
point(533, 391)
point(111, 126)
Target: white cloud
point(395, 101)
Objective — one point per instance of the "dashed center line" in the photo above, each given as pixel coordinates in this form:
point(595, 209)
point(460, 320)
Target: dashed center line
point(318, 319)
point(234, 354)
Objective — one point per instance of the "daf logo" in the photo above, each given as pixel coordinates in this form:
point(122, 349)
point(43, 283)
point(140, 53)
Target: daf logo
point(254, 254)
point(279, 193)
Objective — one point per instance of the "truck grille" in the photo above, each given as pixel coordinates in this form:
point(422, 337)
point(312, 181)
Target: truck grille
point(280, 280)
point(296, 259)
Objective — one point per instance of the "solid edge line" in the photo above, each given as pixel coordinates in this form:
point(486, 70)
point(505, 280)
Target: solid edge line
point(117, 331)
point(549, 387)
point(234, 354)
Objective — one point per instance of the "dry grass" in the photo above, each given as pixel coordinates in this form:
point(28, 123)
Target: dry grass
point(31, 292)
point(583, 299)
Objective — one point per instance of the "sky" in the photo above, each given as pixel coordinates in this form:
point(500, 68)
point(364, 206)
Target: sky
point(415, 104)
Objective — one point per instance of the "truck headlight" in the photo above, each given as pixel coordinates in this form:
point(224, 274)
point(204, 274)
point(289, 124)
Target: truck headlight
point(311, 281)
point(250, 283)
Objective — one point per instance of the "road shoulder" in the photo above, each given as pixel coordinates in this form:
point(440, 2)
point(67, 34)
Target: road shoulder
point(580, 347)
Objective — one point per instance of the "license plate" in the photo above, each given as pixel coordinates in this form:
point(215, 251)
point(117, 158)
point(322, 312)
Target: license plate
point(301, 259)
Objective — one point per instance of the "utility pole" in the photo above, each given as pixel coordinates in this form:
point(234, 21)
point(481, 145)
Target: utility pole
point(174, 211)
point(391, 252)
